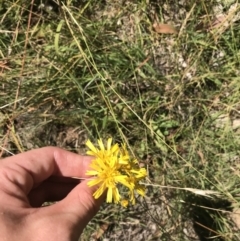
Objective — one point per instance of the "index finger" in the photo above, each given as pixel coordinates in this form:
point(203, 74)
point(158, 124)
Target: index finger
point(40, 164)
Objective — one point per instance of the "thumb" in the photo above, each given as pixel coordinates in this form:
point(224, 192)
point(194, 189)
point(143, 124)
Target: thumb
point(81, 204)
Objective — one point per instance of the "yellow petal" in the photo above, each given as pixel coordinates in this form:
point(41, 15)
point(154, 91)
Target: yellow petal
point(91, 153)
point(100, 143)
point(115, 149)
point(109, 195)
point(141, 190)
point(94, 182)
point(109, 143)
point(99, 192)
point(116, 195)
point(124, 180)
point(124, 203)
point(91, 173)
point(91, 147)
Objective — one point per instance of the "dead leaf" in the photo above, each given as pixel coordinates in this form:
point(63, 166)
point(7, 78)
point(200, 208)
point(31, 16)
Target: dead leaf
point(218, 21)
point(3, 65)
point(164, 28)
point(205, 193)
point(199, 152)
point(236, 218)
point(222, 22)
point(236, 124)
point(99, 232)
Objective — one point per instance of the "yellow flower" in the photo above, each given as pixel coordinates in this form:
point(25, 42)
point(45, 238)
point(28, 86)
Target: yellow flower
point(111, 167)
point(124, 203)
point(102, 152)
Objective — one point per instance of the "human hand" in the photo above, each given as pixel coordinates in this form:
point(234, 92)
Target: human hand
point(29, 179)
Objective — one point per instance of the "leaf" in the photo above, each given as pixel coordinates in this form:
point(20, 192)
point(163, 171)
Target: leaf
point(3, 65)
point(205, 193)
point(235, 215)
point(57, 35)
point(99, 232)
point(164, 28)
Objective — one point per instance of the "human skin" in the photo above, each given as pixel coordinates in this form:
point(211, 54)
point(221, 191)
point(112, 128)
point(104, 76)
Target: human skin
point(29, 179)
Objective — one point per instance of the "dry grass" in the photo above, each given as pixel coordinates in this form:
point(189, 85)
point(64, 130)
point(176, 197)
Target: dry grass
point(72, 71)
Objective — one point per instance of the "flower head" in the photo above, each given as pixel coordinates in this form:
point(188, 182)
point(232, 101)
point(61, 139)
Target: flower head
point(111, 167)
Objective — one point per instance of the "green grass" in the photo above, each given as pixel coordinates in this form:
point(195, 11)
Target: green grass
point(97, 69)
